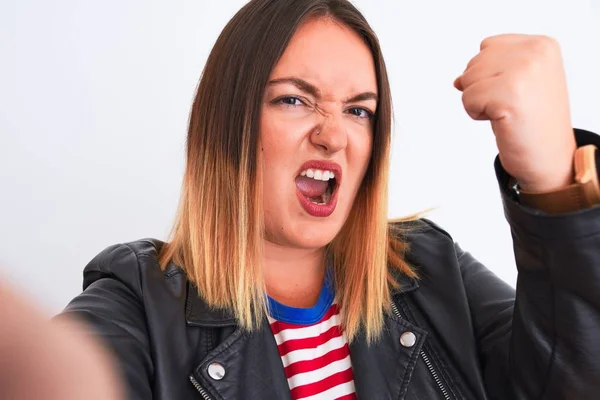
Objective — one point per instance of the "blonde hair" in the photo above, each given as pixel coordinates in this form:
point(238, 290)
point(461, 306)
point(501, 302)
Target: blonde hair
point(218, 233)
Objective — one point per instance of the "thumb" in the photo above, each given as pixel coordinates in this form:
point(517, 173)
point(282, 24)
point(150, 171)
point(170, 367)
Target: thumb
point(458, 83)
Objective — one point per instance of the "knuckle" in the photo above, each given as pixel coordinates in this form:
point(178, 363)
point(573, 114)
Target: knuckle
point(486, 42)
point(544, 45)
point(471, 63)
point(530, 64)
point(550, 41)
point(476, 59)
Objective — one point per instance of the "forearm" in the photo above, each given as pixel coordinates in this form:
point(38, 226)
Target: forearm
point(554, 350)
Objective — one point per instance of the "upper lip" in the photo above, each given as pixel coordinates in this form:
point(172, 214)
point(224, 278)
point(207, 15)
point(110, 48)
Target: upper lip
point(323, 165)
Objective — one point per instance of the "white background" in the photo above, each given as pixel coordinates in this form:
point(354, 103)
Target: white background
point(94, 100)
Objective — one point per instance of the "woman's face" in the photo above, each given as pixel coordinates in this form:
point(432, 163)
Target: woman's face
point(316, 133)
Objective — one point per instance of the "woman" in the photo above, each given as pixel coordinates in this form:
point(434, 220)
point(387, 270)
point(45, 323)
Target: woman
point(285, 280)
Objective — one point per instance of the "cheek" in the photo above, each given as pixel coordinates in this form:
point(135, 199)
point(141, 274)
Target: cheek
point(361, 144)
point(367, 149)
point(282, 138)
point(278, 148)
point(273, 149)
point(277, 137)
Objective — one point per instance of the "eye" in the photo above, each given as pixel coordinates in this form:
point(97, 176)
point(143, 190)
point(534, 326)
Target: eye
point(360, 112)
point(291, 101)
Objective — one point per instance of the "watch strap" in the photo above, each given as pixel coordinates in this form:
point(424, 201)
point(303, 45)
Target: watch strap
point(583, 193)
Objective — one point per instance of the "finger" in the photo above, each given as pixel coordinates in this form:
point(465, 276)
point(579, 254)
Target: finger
point(474, 74)
point(457, 83)
point(478, 59)
point(502, 39)
point(478, 99)
point(481, 56)
point(478, 73)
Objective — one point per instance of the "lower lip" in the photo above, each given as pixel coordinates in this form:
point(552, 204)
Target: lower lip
point(318, 210)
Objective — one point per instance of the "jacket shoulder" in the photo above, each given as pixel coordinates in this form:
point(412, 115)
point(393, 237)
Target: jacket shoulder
point(128, 263)
point(431, 250)
point(421, 229)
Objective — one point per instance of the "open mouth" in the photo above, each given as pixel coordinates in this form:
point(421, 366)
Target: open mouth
point(321, 187)
point(317, 188)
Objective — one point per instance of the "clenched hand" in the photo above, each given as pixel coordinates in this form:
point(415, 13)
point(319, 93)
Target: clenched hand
point(518, 83)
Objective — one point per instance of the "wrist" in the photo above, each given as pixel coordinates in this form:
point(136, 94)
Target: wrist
point(558, 181)
point(583, 191)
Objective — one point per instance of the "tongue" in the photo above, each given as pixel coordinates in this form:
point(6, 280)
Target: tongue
point(310, 187)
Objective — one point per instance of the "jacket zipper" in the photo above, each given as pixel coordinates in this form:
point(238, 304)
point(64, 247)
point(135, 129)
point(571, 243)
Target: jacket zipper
point(199, 388)
point(427, 362)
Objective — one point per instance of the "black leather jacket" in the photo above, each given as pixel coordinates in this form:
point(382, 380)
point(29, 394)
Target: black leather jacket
point(474, 338)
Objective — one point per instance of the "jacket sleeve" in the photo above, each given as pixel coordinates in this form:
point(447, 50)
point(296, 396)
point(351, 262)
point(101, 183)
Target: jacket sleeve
point(547, 344)
point(110, 305)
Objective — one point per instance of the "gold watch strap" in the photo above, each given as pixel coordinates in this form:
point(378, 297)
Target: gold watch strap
point(583, 193)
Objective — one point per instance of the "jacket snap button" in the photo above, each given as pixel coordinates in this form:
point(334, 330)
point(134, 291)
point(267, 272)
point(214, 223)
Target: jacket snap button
point(408, 339)
point(216, 371)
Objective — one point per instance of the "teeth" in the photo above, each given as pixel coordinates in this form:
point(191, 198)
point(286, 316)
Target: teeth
point(318, 174)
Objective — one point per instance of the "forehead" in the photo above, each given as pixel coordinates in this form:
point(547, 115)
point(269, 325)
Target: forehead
point(329, 55)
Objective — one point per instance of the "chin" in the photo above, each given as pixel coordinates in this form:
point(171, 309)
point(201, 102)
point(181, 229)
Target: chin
point(316, 235)
point(297, 230)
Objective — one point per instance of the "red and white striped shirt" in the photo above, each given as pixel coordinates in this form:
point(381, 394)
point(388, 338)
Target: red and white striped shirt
point(315, 356)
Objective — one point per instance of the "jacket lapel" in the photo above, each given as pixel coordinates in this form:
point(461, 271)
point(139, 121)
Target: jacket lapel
point(251, 361)
point(383, 369)
point(443, 307)
point(252, 366)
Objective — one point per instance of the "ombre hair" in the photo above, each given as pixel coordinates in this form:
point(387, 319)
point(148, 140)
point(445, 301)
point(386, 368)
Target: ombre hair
point(218, 235)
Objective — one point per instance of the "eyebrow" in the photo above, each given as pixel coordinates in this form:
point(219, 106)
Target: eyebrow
point(315, 92)
point(362, 97)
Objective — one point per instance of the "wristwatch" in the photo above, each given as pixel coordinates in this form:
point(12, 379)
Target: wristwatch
point(583, 193)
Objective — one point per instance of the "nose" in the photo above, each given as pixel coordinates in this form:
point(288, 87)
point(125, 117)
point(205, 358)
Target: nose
point(330, 135)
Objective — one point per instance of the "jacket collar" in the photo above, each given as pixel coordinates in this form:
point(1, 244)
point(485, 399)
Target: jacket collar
point(406, 284)
point(380, 369)
point(198, 313)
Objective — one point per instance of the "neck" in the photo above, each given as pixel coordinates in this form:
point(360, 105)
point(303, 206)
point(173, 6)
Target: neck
point(293, 276)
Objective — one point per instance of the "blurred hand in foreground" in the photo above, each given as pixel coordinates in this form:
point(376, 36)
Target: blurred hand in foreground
point(40, 359)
